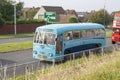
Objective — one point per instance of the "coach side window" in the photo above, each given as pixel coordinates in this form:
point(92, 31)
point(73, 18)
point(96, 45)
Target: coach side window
point(102, 32)
point(76, 34)
point(90, 33)
point(96, 32)
point(83, 33)
point(68, 35)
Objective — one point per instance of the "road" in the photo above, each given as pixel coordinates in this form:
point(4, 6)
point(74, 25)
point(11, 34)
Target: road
point(11, 40)
point(18, 57)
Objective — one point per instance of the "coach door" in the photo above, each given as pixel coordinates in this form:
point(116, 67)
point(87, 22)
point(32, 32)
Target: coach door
point(59, 44)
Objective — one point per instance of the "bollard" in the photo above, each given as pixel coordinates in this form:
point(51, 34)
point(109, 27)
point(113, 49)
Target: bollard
point(102, 51)
point(4, 73)
point(14, 71)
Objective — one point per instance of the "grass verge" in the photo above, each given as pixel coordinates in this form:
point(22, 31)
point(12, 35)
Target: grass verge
point(15, 46)
point(108, 34)
point(17, 35)
point(106, 67)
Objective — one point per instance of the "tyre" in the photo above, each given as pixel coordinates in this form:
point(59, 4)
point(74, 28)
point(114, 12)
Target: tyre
point(113, 42)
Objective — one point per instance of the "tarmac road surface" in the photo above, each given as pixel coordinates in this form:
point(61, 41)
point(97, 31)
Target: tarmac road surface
point(11, 40)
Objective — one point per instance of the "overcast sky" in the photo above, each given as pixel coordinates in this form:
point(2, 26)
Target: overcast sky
point(78, 5)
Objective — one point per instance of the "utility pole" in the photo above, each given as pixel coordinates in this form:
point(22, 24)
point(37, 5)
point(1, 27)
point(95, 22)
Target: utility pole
point(15, 18)
point(104, 12)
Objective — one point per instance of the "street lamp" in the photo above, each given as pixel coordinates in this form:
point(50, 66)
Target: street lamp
point(104, 11)
point(15, 18)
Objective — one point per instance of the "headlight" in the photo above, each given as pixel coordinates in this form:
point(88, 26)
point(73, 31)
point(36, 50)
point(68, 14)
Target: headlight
point(34, 52)
point(50, 54)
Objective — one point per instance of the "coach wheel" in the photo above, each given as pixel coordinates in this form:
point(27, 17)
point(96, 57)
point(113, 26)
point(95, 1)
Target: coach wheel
point(113, 42)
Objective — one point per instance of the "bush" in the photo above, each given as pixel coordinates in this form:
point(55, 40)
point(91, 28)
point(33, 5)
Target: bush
point(1, 22)
point(29, 21)
point(9, 22)
point(73, 20)
point(26, 21)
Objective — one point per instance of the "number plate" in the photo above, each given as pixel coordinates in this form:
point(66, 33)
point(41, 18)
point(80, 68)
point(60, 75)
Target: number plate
point(45, 57)
point(39, 56)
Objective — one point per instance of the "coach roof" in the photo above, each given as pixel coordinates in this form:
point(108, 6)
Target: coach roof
point(72, 26)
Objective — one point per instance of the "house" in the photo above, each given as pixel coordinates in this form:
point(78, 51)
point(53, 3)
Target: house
point(58, 10)
point(68, 13)
point(72, 13)
point(83, 16)
point(26, 12)
point(62, 15)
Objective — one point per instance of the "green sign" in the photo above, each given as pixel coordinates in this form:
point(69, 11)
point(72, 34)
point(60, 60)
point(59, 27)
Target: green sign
point(50, 16)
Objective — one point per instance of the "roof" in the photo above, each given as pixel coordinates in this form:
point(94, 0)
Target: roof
point(57, 9)
point(71, 12)
point(26, 9)
point(72, 26)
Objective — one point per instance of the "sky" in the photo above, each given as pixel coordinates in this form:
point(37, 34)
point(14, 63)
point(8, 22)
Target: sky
point(78, 5)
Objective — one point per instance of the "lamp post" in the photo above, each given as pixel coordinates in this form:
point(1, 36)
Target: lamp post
point(15, 19)
point(104, 11)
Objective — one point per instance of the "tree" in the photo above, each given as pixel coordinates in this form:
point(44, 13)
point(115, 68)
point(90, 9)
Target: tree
point(73, 20)
point(32, 13)
point(7, 9)
point(1, 21)
point(101, 17)
point(19, 7)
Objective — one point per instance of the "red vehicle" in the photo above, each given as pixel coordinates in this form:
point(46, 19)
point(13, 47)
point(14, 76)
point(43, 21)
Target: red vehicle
point(116, 28)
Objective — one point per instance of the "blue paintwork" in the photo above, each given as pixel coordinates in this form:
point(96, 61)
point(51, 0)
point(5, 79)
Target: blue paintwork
point(60, 28)
point(72, 44)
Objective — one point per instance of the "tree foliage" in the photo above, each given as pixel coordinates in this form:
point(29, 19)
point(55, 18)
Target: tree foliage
point(7, 9)
point(101, 17)
point(73, 20)
point(19, 7)
point(1, 20)
point(32, 13)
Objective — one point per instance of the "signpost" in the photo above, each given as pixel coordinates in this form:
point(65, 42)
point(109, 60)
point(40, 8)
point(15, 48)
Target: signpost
point(50, 16)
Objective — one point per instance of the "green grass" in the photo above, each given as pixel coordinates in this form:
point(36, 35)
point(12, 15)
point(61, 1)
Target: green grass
point(17, 35)
point(15, 46)
point(108, 34)
point(106, 67)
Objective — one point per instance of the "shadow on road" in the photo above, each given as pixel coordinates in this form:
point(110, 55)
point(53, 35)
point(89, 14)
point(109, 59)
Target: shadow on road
point(4, 62)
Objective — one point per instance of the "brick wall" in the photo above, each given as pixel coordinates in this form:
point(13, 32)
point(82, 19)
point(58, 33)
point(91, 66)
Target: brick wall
point(65, 17)
point(20, 28)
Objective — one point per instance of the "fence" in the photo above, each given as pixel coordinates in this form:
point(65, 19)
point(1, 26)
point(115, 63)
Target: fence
point(26, 69)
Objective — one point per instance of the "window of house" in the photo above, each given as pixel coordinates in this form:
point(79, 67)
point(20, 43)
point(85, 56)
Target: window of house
point(40, 16)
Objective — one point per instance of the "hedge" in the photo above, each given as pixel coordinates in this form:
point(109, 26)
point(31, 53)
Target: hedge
point(26, 21)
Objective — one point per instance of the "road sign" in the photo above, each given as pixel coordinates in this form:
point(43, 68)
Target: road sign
point(50, 16)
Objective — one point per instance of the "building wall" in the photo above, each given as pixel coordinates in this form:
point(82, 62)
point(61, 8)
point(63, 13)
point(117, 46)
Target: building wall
point(63, 18)
point(20, 28)
point(40, 12)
